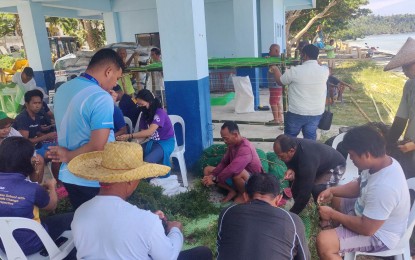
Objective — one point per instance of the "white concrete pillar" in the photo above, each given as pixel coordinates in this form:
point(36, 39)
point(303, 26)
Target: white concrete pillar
point(272, 24)
point(112, 27)
point(246, 39)
point(246, 33)
point(32, 21)
point(185, 68)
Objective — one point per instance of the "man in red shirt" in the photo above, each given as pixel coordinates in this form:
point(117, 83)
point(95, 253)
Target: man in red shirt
point(237, 165)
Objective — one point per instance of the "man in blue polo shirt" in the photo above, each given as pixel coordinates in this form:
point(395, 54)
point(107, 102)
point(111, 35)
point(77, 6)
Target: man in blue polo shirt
point(84, 119)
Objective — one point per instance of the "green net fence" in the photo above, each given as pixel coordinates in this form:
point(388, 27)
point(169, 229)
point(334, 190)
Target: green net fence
point(227, 63)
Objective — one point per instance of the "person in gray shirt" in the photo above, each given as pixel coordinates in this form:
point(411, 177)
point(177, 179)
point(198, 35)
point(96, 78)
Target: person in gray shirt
point(259, 229)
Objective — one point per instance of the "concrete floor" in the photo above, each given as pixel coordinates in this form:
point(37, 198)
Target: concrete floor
point(227, 112)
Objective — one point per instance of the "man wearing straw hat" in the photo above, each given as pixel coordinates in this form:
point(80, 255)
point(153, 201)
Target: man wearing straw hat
point(108, 227)
point(405, 116)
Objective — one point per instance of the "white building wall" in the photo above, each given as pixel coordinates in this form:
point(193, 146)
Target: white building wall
point(133, 22)
point(220, 31)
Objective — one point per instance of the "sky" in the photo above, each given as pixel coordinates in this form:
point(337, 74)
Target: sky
point(390, 7)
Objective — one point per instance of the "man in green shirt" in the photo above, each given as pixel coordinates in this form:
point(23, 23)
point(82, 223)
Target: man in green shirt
point(330, 53)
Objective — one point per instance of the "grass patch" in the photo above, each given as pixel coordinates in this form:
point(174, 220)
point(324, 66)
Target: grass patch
point(193, 209)
point(368, 81)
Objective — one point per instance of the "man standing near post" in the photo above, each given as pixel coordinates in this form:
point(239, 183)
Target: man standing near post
point(306, 93)
point(275, 90)
point(84, 120)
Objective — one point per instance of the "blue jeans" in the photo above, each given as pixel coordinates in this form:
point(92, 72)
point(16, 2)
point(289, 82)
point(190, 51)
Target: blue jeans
point(307, 124)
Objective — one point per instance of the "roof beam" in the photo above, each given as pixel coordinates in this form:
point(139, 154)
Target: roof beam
point(94, 5)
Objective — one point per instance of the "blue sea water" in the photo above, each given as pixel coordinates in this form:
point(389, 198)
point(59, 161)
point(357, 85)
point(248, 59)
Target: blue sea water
point(389, 43)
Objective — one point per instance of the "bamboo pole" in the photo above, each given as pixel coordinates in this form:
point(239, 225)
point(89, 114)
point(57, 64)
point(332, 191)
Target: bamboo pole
point(376, 107)
point(360, 109)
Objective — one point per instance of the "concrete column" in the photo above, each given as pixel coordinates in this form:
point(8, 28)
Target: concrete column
point(112, 27)
point(246, 39)
point(32, 21)
point(186, 75)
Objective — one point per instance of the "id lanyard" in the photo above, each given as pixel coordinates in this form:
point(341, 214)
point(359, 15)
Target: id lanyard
point(87, 76)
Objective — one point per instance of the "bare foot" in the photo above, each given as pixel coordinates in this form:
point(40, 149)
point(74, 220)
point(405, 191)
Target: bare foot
point(239, 199)
point(230, 196)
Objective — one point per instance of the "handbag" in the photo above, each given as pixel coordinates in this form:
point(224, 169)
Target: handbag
point(326, 119)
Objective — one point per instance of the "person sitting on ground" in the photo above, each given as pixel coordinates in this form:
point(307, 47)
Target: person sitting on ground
point(119, 169)
point(16, 163)
point(154, 124)
point(373, 211)
point(237, 165)
point(6, 131)
point(29, 124)
point(275, 90)
point(278, 234)
point(128, 107)
point(335, 88)
point(309, 167)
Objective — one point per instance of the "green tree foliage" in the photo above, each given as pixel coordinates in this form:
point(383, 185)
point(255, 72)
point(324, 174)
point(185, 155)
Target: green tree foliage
point(7, 24)
point(374, 25)
point(90, 31)
point(331, 15)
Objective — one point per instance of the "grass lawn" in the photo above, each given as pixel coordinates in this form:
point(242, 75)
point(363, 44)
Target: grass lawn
point(368, 81)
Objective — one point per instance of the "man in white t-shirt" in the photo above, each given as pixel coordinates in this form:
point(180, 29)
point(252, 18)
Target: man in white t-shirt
point(373, 211)
point(108, 227)
point(306, 93)
point(25, 79)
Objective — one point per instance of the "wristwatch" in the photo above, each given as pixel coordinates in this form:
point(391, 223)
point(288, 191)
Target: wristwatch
point(215, 179)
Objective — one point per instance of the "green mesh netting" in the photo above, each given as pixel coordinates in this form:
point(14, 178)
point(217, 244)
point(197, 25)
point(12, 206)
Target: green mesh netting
point(277, 168)
point(310, 218)
point(263, 157)
point(226, 63)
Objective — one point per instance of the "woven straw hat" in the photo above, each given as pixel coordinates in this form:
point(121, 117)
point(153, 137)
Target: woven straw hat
point(405, 56)
point(119, 162)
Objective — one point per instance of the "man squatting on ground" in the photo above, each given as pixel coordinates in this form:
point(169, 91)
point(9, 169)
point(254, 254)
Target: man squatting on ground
point(310, 165)
point(237, 165)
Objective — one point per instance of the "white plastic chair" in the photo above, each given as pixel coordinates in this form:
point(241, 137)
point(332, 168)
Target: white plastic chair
point(137, 125)
point(130, 124)
point(13, 250)
point(351, 171)
point(402, 250)
point(179, 150)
